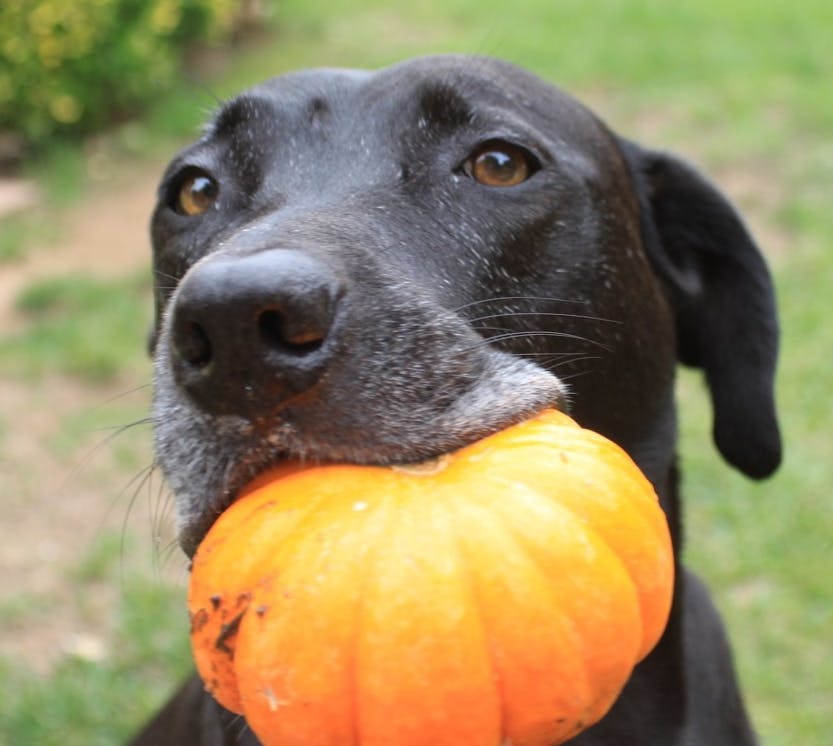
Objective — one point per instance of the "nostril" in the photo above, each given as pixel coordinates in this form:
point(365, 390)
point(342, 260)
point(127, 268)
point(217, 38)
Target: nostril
point(253, 330)
point(193, 345)
point(277, 333)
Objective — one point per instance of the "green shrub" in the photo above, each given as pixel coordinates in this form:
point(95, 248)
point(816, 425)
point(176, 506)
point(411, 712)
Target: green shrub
point(70, 67)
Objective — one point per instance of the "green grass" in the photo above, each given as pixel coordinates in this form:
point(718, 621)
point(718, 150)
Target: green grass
point(19, 231)
point(60, 172)
point(739, 87)
point(92, 702)
point(79, 326)
point(87, 700)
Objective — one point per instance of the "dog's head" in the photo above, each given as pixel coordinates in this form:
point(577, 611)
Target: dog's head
point(379, 267)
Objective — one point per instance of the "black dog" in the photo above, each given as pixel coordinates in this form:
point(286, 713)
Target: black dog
point(379, 267)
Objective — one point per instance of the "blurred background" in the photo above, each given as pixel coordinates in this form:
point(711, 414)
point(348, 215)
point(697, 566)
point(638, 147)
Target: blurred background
point(96, 95)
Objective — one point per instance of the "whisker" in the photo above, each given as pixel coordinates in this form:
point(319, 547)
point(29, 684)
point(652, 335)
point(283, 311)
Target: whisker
point(166, 553)
point(139, 480)
point(116, 430)
point(514, 314)
point(166, 276)
point(539, 333)
point(516, 298)
point(502, 329)
point(242, 728)
point(506, 332)
point(581, 359)
point(120, 395)
point(551, 355)
point(146, 484)
point(554, 360)
point(159, 506)
point(94, 450)
point(573, 376)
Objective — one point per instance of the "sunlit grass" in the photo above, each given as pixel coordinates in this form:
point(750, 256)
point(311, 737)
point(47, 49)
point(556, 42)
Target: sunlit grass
point(79, 326)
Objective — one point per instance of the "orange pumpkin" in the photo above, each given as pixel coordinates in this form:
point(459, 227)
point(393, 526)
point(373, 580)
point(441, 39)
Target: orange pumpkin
point(498, 595)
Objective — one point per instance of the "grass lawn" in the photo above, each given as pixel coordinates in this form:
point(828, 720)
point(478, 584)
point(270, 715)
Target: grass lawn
point(742, 89)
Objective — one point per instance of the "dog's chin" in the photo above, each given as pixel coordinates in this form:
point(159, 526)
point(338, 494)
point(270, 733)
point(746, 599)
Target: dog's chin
point(192, 526)
point(208, 460)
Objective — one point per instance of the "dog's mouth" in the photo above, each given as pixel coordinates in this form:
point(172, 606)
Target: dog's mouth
point(379, 417)
point(239, 477)
point(264, 458)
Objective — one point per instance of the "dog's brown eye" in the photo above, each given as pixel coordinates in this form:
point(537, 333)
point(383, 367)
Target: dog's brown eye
point(197, 192)
point(500, 164)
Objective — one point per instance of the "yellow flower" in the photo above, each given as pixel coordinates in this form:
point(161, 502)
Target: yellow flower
point(65, 109)
point(50, 52)
point(165, 16)
point(44, 17)
point(15, 50)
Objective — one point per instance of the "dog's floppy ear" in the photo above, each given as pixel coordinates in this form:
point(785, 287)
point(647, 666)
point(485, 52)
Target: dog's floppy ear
point(722, 296)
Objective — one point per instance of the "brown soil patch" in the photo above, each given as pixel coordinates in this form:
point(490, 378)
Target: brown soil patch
point(105, 235)
point(16, 195)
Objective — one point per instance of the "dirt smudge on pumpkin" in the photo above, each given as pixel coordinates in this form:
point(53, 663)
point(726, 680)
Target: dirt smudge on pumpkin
point(243, 599)
point(198, 620)
point(228, 632)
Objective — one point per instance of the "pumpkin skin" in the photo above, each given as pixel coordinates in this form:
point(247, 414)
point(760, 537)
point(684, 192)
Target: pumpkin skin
point(499, 595)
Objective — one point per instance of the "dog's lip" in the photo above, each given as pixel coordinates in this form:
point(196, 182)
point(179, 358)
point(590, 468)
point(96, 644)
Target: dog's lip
point(247, 477)
point(242, 479)
point(261, 452)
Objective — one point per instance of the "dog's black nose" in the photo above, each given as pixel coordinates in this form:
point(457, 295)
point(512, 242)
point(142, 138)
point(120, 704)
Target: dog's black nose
point(250, 332)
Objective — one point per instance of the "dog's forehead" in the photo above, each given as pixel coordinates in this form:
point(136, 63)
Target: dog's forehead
point(485, 81)
point(443, 87)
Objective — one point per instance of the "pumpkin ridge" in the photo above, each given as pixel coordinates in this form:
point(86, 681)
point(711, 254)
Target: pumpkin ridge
point(383, 506)
point(477, 603)
point(477, 600)
point(600, 545)
point(441, 667)
point(333, 559)
point(441, 514)
point(529, 552)
point(595, 450)
point(248, 512)
point(605, 502)
point(307, 510)
point(511, 534)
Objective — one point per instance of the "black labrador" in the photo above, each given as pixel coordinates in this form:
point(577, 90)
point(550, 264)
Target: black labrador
point(382, 266)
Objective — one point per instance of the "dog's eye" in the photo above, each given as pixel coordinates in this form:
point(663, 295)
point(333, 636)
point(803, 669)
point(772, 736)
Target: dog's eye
point(197, 190)
point(500, 164)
